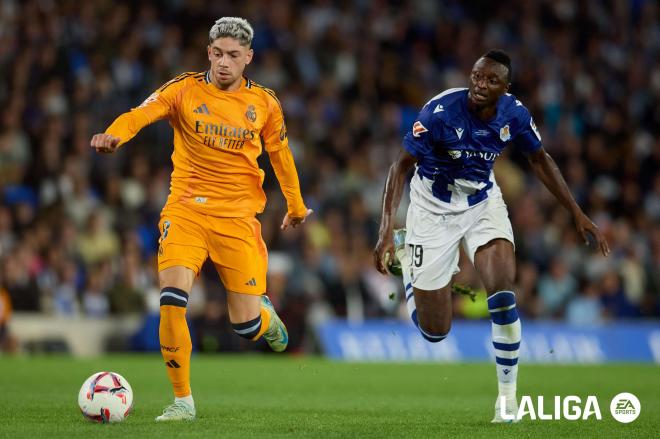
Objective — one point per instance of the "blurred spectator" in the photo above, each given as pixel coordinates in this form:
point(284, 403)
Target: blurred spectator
point(7, 237)
point(95, 302)
point(128, 292)
point(98, 242)
point(15, 148)
point(614, 298)
point(586, 308)
point(556, 287)
point(19, 283)
point(65, 292)
point(526, 289)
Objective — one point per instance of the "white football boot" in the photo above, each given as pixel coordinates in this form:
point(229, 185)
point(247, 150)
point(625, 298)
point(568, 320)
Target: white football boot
point(178, 411)
point(510, 409)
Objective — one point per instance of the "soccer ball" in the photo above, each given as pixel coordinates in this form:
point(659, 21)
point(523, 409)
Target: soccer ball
point(394, 266)
point(391, 260)
point(105, 397)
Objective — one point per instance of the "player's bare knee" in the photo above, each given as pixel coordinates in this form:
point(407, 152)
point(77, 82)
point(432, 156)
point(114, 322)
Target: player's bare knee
point(243, 307)
point(178, 277)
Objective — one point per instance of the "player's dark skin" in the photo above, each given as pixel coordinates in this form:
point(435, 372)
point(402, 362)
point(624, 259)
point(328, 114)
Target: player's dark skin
point(494, 261)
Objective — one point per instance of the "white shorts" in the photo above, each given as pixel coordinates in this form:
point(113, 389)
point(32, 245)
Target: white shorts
point(432, 239)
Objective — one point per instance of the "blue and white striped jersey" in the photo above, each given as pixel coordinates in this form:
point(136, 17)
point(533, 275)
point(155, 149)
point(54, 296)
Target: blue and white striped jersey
point(455, 150)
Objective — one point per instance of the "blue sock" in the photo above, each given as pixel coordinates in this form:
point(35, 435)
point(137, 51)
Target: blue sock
point(410, 304)
point(506, 331)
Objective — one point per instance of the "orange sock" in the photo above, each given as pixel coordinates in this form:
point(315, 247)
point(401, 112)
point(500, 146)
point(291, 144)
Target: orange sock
point(175, 343)
point(265, 321)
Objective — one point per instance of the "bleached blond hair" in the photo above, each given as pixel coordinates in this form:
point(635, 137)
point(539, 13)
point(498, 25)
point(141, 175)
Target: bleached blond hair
point(232, 27)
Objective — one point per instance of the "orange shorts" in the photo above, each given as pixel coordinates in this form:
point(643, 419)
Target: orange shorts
point(234, 245)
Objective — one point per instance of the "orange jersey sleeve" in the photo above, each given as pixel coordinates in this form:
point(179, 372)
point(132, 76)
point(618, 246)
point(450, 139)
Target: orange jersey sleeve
point(285, 170)
point(274, 131)
point(157, 106)
point(276, 143)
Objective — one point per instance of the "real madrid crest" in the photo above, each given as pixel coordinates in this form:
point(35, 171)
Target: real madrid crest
point(505, 134)
point(251, 113)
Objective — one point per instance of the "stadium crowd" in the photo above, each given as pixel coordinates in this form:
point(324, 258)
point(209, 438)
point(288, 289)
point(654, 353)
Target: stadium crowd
point(78, 231)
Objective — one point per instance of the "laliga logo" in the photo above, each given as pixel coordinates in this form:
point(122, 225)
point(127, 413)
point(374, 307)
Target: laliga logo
point(570, 408)
point(625, 408)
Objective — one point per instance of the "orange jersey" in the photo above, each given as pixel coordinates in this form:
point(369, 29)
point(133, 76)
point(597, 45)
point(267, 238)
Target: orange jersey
point(218, 136)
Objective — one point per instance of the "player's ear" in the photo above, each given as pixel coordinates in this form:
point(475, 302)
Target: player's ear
point(208, 51)
point(248, 56)
point(508, 86)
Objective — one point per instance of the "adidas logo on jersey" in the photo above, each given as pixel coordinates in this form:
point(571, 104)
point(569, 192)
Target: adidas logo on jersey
point(202, 109)
point(251, 282)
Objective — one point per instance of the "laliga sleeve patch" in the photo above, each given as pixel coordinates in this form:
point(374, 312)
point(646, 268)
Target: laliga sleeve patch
point(418, 129)
point(149, 100)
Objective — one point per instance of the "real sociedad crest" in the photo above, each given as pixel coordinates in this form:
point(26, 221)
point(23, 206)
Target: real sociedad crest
point(505, 134)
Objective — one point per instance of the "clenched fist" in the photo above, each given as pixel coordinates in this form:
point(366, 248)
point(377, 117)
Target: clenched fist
point(106, 143)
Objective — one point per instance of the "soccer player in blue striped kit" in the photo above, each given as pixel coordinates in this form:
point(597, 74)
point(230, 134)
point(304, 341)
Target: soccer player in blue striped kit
point(454, 199)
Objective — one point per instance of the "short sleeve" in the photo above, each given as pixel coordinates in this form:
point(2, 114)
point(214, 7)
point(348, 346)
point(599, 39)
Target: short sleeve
point(419, 141)
point(528, 138)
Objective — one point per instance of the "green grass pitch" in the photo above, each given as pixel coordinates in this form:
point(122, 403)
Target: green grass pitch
point(271, 396)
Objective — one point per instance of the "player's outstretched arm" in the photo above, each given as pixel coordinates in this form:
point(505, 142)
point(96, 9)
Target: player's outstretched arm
point(547, 171)
point(276, 144)
point(105, 143)
point(124, 128)
point(391, 198)
point(127, 125)
point(285, 171)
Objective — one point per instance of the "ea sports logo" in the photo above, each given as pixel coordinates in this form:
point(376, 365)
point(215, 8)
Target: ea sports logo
point(625, 407)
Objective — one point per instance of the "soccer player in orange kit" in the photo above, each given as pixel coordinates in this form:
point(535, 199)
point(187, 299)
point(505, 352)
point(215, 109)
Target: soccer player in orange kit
point(220, 121)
